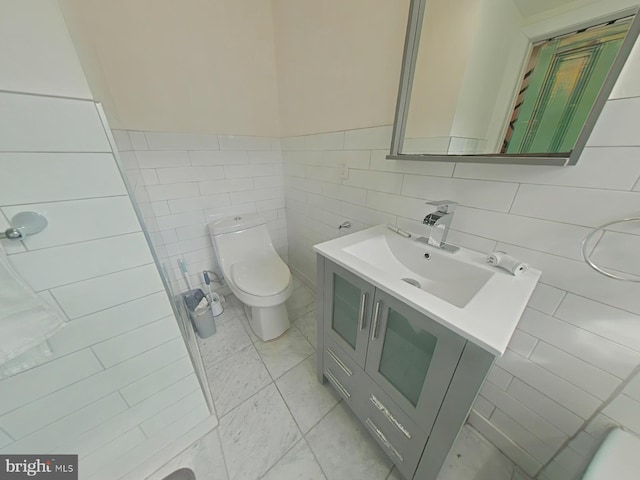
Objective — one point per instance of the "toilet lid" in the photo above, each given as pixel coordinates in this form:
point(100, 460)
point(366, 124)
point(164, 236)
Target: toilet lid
point(263, 277)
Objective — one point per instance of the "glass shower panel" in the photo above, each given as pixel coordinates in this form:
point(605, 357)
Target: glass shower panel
point(141, 203)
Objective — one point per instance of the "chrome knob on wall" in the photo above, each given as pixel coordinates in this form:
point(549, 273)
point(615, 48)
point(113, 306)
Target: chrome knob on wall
point(344, 225)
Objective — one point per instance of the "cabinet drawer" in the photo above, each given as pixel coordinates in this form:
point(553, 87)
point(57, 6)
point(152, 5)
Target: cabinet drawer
point(342, 372)
point(392, 428)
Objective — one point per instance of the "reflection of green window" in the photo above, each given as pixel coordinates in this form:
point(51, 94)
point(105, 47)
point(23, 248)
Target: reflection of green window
point(563, 79)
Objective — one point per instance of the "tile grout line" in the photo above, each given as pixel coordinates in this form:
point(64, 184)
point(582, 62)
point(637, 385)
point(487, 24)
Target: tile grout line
point(224, 458)
point(66, 200)
point(88, 240)
point(558, 376)
point(97, 373)
point(75, 282)
point(245, 401)
point(317, 423)
point(273, 381)
point(304, 438)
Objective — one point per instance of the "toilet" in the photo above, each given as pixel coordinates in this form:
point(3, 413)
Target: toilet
point(254, 271)
point(618, 458)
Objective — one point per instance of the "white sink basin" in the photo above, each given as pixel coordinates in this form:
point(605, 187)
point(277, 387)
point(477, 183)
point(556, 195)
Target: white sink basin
point(433, 271)
point(460, 290)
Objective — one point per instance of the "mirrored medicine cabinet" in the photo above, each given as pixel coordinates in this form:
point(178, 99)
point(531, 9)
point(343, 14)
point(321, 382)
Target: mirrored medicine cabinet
point(508, 81)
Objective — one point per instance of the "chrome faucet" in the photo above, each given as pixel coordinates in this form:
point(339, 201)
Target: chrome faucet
point(440, 221)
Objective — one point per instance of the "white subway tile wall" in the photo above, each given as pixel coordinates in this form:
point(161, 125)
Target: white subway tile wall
point(183, 182)
point(579, 339)
point(120, 363)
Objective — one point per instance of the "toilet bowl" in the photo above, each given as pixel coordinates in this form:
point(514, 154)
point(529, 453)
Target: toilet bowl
point(618, 458)
point(254, 272)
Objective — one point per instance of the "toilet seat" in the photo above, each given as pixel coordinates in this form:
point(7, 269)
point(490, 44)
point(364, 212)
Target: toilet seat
point(263, 276)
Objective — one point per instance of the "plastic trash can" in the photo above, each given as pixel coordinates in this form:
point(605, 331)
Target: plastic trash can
point(203, 320)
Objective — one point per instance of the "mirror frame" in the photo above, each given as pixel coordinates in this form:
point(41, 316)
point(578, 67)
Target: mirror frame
point(409, 59)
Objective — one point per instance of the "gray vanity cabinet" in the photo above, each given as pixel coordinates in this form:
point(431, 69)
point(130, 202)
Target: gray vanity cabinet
point(348, 300)
point(410, 380)
point(411, 357)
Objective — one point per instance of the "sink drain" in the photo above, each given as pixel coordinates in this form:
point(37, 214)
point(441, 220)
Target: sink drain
point(411, 281)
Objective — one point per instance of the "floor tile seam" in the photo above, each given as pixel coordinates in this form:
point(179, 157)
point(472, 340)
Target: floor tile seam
point(288, 408)
point(225, 341)
point(300, 315)
point(264, 364)
point(207, 366)
point(300, 330)
point(224, 457)
point(245, 400)
point(325, 416)
point(294, 422)
point(312, 428)
point(305, 311)
point(363, 432)
point(281, 457)
point(247, 327)
point(234, 408)
point(304, 435)
point(304, 337)
point(294, 366)
point(219, 407)
point(304, 439)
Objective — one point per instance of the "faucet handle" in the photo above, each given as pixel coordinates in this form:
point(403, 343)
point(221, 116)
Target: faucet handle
point(444, 206)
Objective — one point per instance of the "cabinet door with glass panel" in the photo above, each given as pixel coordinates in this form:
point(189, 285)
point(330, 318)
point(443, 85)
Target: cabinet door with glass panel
point(348, 302)
point(411, 357)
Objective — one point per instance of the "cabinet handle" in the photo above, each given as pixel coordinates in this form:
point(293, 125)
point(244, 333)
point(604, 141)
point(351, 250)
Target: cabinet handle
point(385, 411)
point(384, 440)
point(376, 320)
point(363, 304)
point(337, 384)
point(344, 368)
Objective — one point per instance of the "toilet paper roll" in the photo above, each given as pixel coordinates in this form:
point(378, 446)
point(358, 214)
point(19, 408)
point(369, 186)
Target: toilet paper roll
point(216, 304)
point(507, 262)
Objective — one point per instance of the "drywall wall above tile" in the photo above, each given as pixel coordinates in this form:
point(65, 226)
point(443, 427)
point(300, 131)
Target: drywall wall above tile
point(191, 67)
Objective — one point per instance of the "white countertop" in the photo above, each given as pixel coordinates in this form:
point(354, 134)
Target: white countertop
point(488, 319)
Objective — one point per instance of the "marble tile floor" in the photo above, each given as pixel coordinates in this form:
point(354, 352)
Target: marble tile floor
point(276, 422)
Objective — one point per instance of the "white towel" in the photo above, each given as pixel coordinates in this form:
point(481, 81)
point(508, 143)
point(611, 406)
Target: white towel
point(26, 321)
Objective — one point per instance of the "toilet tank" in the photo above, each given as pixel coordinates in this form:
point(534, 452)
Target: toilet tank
point(239, 238)
point(618, 458)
